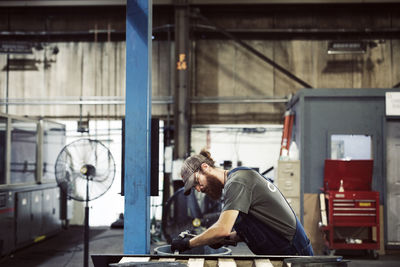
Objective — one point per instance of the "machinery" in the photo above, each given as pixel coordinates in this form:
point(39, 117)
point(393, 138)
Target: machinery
point(29, 196)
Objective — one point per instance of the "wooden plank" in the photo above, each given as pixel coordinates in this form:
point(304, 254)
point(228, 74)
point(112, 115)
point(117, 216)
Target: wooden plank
point(381, 250)
point(395, 57)
point(322, 205)
point(222, 262)
point(195, 262)
point(134, 259)
point(244, 262)
point(263, 263)
point(311, 219)
point(166, 259)
point(277, 263)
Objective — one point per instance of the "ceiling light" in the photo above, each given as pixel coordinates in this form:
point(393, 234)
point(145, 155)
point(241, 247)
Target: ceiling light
point(349, 47)
point(15, 48)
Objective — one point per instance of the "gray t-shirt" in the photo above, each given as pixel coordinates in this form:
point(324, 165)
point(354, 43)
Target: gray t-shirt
point(249, 192)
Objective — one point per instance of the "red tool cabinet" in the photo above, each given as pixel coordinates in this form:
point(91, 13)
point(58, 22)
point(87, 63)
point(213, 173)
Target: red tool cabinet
point(357, 206)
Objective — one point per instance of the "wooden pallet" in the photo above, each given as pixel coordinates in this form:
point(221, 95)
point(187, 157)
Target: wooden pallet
point(212, 260)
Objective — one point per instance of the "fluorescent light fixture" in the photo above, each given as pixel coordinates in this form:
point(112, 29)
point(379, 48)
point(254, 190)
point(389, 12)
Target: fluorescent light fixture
point(15, 48)
point(347, 47)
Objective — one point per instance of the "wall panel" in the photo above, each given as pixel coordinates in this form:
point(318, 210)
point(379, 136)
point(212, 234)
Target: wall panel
point(221, 69)
point(162, 74)
point(294, 36)
point(80, 69)
point(395, 59)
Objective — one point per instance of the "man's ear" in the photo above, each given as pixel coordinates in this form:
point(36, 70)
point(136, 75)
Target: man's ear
point(204, 166)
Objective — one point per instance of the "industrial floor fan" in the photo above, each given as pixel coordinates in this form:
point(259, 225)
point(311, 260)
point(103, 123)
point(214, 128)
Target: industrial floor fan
point(85, 170)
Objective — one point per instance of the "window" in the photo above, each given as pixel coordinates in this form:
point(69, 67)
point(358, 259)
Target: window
point(53, 143)
point(23, 152)
point(350, 146)
point(3, 146)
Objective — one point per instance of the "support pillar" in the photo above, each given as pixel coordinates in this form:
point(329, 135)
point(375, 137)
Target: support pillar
point(137, 127)
point(181, 94)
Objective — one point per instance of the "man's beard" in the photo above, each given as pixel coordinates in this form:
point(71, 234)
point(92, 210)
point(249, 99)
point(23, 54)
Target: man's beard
point(214, 187)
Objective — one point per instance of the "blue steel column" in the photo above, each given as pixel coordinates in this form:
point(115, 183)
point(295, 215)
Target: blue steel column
point(137, 127)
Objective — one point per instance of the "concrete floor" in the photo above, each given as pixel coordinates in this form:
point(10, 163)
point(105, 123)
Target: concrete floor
point(66, 250)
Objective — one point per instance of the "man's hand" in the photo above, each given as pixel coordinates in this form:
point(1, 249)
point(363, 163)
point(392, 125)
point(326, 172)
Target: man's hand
point(180, 244)
point(218, 231)
point(216, 245)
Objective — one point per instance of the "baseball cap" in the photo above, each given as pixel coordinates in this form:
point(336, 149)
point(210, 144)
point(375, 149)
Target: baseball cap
point(189, 167)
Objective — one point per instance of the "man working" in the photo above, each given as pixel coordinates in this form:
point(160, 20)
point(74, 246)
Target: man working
point(253, 207)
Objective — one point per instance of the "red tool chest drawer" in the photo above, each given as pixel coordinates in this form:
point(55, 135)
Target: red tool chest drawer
point(353, 208)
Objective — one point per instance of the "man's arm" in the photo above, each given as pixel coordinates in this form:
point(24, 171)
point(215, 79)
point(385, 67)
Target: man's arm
point(218, 231)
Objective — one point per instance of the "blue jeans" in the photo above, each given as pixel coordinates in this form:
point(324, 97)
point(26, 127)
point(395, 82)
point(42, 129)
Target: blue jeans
point(262, 240)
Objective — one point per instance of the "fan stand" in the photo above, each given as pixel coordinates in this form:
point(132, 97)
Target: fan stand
point(86, 234)
point(87, 170)
point(78, 161)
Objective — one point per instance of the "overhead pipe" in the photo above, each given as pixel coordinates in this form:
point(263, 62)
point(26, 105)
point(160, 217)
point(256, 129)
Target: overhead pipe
point(369, 32)
point(237, 100)
point(163, 100)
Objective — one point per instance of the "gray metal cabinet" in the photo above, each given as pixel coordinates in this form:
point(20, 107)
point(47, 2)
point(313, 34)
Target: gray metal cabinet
point(23, 217)
point(36, 214)
point(51, 211)
point(56, 209)
point(7, 224)
point(288, 181)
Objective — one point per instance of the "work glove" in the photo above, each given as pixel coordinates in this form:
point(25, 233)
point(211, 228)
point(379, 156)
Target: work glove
point(216, 245)
point(224, 242)
point(180, 244)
